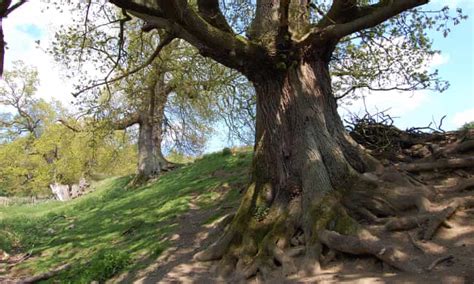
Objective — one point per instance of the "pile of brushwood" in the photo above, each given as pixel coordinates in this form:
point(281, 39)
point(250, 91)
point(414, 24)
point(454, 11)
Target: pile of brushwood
point(417, 144)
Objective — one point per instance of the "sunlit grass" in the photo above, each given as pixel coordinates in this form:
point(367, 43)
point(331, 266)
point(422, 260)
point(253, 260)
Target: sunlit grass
point(111, 228)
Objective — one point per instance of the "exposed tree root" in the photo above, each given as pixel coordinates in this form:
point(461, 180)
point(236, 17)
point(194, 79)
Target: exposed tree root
point(463, 185)
point(431, 221)
point(368, 246)
point(217, 249)
point(406, 223)
point(221, 225)
point(415, 243)
point(455, 163)
point(435, 221)
point(328, 257)
point(254, 245)
point(465, 202)
point(438, 261)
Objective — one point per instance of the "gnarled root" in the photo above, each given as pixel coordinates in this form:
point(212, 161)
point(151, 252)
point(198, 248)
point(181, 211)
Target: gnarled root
point(437, 219)
point(431, 221)
point(256, 246)
point(371, 246)
point(461, 186)
point(455, 163)
point(217, 249)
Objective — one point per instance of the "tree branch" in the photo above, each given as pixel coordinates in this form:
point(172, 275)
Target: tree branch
point(15, 6)
point(167, 39)
point(125, 123)
point(210, 11)
point(178, 17)
point(4, 11)
point(340, 10)
point(70, 127)
point(373, 15)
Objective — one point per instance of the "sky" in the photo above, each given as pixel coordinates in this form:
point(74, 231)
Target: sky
point(28, 24)
point(455, 64)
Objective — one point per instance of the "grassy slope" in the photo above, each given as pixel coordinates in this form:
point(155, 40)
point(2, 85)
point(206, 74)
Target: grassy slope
point(112, 228)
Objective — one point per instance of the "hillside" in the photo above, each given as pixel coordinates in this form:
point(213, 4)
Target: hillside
point(114, 229)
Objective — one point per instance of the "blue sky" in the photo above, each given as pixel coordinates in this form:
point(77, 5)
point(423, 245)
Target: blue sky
point(459, 71)
point(27, 24)
point(455, 65)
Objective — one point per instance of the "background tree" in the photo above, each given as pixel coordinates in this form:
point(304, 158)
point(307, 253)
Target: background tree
point(37, 151)
point(170, 97)
point(17, 91)
point(307, 172)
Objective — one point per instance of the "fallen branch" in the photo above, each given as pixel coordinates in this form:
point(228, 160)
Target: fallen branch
point(463, 147)
point(438, 261)
point(456, 163)
point(16, 260)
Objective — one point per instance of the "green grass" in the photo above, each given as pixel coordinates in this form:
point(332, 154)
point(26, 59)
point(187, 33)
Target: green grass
point(112, 228)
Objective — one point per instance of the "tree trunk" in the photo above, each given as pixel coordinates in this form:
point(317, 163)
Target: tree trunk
point(150, 157)
point(301, 146)
point(303, 162)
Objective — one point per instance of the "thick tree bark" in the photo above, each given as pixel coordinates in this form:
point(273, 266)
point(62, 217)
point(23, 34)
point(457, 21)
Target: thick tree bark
point(303, 163)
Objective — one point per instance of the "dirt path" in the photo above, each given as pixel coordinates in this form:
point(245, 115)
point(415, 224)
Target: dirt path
point(176, 264)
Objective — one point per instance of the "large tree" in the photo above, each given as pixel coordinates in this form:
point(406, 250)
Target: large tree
point(308, 176)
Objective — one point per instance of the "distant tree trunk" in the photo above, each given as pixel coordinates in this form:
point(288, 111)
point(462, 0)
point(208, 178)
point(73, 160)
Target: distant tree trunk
point(150, 157)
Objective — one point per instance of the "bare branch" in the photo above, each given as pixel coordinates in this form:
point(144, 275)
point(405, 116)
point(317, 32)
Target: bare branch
point(181, 19)
point(125, 123)
point(70, 127)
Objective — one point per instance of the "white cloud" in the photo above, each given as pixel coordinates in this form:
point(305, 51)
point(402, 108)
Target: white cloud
point(395, 103)
point(460, 118)
point(438, 60)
